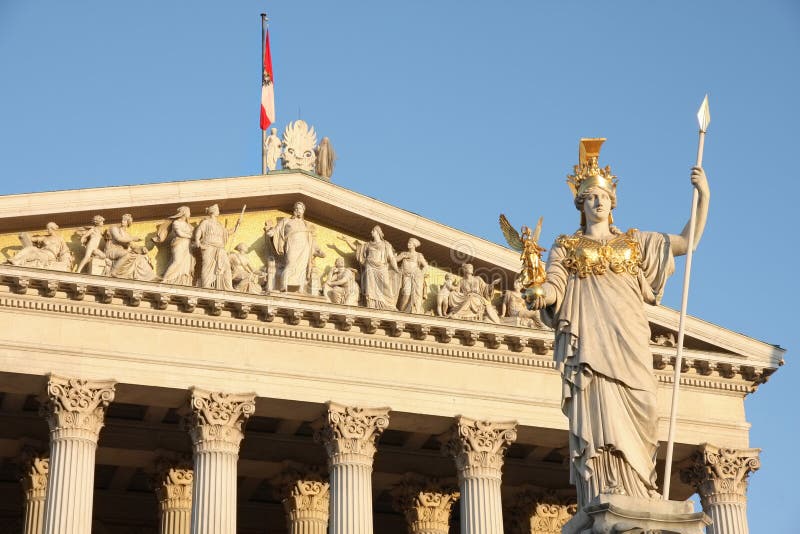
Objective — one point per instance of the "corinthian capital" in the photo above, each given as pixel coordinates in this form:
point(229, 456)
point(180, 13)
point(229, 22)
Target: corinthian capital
point(720, 474)
point(34, 467)
point(76, 404)
point(478, 446)
point(541, 511)
point(218, 417)
point(305, 493)
point(350, 433)
point(426, 503)
point(173, 484)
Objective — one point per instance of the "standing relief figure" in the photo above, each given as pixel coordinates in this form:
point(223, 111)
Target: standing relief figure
point(376, 257)
point(128, 260)
point(443, 296)
point(47, 251)
point(210, 238)
point(326, 159)
point(598, 282)
point(273, 147)
point(91, 239)
point(293, 241)
point(178, 232)
point(413, 270)
point(341, 286)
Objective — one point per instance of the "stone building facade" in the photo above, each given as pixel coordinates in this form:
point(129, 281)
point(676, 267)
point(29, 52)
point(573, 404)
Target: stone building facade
point(129, 405)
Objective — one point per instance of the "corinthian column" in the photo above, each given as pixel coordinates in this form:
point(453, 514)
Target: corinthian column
point(75, 410)
point(541, 512)
point(173, 488)
point(306, 499)
point(425, 503)
point(478, 447)
point(34, 484)
point(216, 427)
point(349, 435)
point(720, 478)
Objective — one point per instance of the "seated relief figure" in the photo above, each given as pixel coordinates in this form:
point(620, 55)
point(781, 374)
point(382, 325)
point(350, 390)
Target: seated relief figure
point(377, 281)
point(472, 300)
point(177, 231)
point(294, 243)
point(92, 240)
point(341, 286)
point(128, 260)
point(244, 278)
point(516, 309)
point(599, 281)
point(413, 289)
point(47, 251)
point(210, 238)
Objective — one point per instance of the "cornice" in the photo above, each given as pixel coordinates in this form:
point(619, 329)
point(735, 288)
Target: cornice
point(311, 320)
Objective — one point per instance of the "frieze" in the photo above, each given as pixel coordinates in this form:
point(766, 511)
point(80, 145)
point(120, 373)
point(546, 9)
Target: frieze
point(273, 315)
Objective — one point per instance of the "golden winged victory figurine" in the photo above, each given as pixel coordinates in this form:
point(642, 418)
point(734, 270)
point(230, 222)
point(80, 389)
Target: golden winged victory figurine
point(533, 273)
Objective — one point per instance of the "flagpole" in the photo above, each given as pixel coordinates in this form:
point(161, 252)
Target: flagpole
point(703, 119)
point(263, 132)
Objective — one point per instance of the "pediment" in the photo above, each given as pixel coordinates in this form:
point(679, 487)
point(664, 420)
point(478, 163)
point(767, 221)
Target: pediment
point(334, 211)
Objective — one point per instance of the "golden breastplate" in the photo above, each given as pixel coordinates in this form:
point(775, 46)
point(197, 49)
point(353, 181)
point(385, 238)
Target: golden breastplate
point(585, 256)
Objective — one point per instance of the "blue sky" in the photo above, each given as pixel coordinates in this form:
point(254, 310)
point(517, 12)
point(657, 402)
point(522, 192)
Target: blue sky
point(457, 111)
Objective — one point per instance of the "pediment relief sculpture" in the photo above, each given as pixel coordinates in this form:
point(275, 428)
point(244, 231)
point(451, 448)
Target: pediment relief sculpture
point(287, 254)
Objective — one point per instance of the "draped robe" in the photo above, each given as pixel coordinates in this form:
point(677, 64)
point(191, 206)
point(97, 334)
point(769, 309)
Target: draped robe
point(602, 349)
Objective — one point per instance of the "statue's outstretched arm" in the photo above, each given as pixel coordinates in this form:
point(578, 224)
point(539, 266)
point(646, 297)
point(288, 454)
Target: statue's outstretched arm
point(680, 243)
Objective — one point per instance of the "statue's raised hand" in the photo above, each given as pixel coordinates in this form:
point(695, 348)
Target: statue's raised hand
point(700, 181)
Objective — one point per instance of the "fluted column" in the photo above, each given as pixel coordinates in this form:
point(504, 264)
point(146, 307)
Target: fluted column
point(173, 488)
point(305, 495)
point(478, 448)
point(216, 427)
point(425, 503)
point(75, 410)
point(34, 483)
point(537, 511)
point(350, 435)
point(720, 478)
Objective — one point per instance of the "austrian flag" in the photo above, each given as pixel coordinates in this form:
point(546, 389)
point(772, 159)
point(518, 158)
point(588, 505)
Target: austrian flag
point(267, 89)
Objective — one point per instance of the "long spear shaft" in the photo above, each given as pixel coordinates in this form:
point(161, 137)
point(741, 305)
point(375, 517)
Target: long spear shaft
point(703, 118)
point(263, 132)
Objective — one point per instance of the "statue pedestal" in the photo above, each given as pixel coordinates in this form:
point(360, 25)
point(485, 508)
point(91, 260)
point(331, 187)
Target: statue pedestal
point(617, 514)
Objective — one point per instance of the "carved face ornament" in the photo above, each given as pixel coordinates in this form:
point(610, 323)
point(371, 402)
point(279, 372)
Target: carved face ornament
point(299, 140)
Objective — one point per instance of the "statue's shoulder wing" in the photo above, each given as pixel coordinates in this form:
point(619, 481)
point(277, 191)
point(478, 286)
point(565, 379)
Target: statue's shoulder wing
point(512, 236)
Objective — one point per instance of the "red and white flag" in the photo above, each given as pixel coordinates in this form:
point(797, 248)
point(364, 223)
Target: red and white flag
point(267, 89)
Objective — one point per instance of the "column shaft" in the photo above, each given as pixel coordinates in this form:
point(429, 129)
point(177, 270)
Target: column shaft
point(75, 412)
point(478, 448)
point(173, 488)
point(720, 477)
point(34, 482)
point(216, 427)
point(351, 498)
point(350, 435)
point(728, 518)
point(69, 491)
point(214, 493)
point(481, 506)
